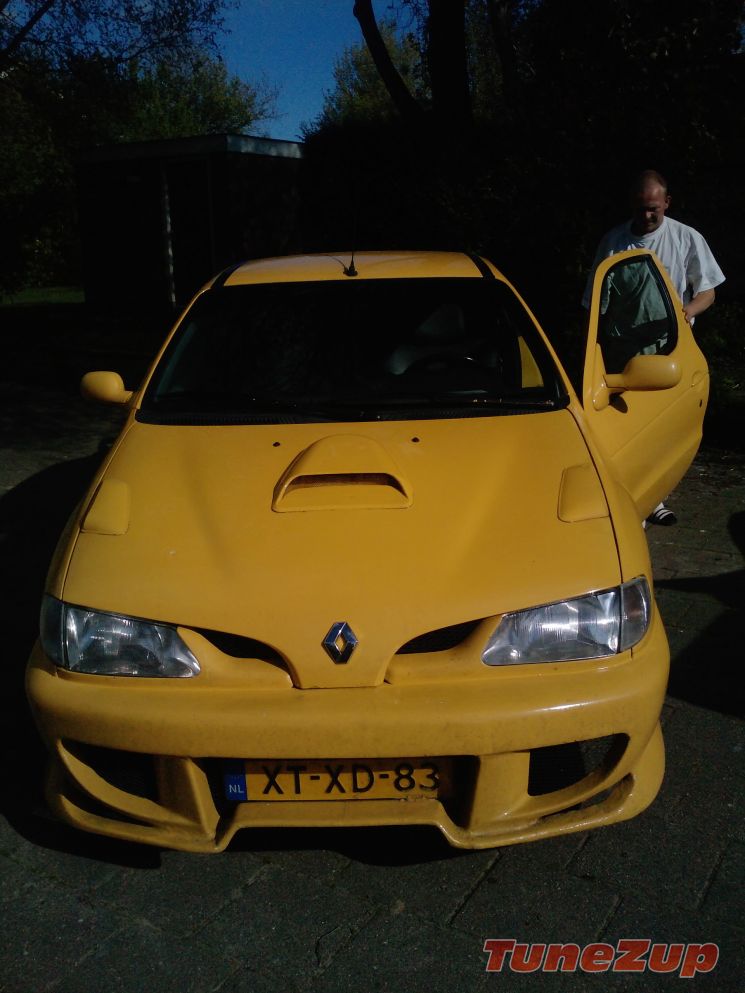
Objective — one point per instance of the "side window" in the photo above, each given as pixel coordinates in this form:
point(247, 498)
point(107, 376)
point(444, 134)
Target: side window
point(636, 314)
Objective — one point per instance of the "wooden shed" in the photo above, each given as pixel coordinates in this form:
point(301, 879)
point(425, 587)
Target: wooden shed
point(158, 218)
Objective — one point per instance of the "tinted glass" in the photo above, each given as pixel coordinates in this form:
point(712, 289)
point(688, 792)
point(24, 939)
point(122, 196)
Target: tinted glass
point(636, 315)
point(353, 350)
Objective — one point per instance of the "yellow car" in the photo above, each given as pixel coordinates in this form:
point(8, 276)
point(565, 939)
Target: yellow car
point(361, 556)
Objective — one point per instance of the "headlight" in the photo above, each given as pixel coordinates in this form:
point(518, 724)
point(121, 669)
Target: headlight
point(90, 641)
point(587, 627)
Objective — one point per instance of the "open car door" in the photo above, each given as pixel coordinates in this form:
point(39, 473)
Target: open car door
point(646, 382)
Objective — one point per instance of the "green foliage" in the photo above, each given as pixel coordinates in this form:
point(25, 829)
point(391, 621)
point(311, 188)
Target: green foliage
point(169, 101)
point(359, 94)
point(569, 100)
point(116, 31)
point(45, 296)
point(33, 177)
point(85, 72)
point(719, 333)
point(51, 114)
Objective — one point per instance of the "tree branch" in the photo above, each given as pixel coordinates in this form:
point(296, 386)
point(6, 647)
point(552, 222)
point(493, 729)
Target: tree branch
point(448, 67)
point(25, 30)
point(500, 20)
point(399, 93)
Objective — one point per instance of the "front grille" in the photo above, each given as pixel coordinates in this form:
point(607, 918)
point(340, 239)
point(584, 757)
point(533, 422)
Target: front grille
point(440, 640)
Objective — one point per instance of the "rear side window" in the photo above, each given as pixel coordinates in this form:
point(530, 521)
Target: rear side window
point(358, 349)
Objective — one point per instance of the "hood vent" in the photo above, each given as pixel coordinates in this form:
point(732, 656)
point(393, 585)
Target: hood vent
point(581, 496)
point(109, 510)
point(342, 472)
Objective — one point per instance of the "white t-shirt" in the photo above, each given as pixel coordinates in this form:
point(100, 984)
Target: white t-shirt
point(682, 250)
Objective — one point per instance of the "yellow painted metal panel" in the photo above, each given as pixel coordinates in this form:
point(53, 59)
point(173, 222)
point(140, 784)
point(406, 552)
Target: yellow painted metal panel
point(481, 536)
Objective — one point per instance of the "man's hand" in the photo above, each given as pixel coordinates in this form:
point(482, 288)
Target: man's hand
point(701, 302)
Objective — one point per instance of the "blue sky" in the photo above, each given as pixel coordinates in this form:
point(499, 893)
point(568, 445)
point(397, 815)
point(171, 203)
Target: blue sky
point(293, 45)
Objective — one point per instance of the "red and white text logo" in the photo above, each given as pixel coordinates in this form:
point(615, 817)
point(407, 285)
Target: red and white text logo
point(627, 955)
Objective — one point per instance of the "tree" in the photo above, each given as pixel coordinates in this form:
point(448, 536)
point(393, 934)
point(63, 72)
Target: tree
point(51, 113)
point(445, 56)
point(119, 31)
point(448, 63)
point(80, 72)
point(402, 97)
point(565, 101)
point(200, 97)
point(30, 177)
point(470, 58)
point(359, 93)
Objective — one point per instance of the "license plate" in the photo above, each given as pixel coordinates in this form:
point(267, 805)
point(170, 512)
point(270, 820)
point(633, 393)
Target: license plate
point(342, 779)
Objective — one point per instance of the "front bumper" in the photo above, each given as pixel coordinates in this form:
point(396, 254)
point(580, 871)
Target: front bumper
point(139, 759)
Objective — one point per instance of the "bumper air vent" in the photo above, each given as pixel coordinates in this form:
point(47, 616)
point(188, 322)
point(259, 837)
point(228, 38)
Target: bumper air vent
point(559, 766)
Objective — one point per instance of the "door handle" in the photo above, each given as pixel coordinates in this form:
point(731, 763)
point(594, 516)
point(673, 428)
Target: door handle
point(698, 377)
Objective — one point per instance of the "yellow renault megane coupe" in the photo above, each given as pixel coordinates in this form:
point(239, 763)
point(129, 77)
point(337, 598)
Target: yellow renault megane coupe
point(361, 556)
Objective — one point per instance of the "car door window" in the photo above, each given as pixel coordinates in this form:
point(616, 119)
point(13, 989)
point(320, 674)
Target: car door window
point(636, 314)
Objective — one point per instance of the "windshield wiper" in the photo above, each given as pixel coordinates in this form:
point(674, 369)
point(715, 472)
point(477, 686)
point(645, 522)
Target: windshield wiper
point(247, 407)
point(467, 401)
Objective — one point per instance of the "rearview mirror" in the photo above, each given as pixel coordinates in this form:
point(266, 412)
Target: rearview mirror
point(104, 387)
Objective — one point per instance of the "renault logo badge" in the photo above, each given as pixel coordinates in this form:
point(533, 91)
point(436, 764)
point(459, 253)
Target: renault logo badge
point(340, 642)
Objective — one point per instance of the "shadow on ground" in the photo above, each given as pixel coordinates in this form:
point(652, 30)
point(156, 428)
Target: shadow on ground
point(32, 517)
point(708, 672)
point(382, 846)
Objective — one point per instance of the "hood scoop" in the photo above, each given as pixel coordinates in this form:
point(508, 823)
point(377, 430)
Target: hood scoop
point(342, 472)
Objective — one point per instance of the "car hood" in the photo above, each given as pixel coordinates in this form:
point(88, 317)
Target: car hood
point(399, 528)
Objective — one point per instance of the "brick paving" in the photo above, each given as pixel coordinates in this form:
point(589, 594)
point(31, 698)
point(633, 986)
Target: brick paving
point(387, 909)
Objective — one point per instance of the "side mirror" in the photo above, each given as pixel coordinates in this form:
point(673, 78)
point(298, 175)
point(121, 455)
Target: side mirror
point(104, 387)
point(646, 372)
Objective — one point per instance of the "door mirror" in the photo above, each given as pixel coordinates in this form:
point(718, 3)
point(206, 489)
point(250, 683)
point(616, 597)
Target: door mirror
point(104, 387)
point(646, 372)
point(642, 373)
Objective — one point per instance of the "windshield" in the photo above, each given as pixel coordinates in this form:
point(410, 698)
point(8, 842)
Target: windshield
point(353, 350)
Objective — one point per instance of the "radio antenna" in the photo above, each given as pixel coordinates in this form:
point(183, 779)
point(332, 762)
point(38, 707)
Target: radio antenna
point(349, 270)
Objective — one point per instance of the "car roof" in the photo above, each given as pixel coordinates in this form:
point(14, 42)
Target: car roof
point(367, 265)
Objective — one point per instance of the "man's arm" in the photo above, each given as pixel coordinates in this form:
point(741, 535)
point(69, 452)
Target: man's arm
point(701, 271)
point(701, 302)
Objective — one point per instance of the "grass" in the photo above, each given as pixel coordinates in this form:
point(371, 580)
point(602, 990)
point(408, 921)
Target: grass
point(44, 295)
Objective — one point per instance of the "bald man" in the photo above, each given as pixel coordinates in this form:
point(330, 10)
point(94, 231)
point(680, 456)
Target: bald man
point(682, 250)
point(685, 254)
